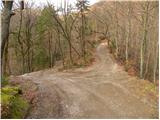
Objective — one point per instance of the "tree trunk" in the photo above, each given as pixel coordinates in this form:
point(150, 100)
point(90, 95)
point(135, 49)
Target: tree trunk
point(60, 47)
point(155, 62)
point(128, 32)
point(143, 41)
point(116, 40)
point(5, 61)
point(6, 16)
point(49, 50)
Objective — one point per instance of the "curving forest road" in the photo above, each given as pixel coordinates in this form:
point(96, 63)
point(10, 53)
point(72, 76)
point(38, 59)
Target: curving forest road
point(98, 91)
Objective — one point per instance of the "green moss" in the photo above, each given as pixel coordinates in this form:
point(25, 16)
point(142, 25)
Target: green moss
point(13, 105)
point(5, 98)
point(19, 107)
point(10, 90)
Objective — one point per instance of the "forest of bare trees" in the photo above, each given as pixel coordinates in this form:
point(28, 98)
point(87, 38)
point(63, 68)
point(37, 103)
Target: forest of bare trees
point(41, 36)
point(131, 29)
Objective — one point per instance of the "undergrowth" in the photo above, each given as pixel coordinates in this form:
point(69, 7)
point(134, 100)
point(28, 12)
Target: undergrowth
point(13, 105)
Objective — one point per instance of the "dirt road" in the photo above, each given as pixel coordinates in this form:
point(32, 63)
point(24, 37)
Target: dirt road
point(98, 91)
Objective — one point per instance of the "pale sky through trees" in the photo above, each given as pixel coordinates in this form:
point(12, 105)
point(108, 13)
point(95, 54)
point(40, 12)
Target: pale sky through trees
point(57, 2)
point(41, 3)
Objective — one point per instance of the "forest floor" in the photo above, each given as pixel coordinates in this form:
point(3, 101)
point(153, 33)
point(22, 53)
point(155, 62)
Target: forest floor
point(102, 90)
